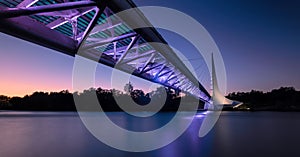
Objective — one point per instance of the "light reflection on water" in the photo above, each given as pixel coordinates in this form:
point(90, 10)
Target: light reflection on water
point(61, 134)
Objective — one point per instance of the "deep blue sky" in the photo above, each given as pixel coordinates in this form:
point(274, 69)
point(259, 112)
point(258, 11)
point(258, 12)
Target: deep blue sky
point(259, 41)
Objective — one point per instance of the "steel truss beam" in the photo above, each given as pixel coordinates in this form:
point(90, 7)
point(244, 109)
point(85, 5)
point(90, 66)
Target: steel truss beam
point(177, 75)
point(134, 39)
point(147, 62)
point(92, 23)
point(123, 48)
point(160, 70)
point(15, 12)
point(103, 27)
point(151, 35)
point(64, 17)
point(145, 54)
point(109, 40)
point(26, 3)
point(169, 76)
point(165, 73)
point(154, 66)
point(28, 29)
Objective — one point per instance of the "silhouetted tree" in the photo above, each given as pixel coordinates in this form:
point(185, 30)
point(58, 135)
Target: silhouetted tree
point(284, 98)
point(4, 102)
point(128, 88)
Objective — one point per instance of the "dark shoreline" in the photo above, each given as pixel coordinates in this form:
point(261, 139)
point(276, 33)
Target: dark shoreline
point(284, 99)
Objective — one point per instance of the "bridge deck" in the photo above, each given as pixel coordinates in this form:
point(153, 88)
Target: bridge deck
point(94, 27)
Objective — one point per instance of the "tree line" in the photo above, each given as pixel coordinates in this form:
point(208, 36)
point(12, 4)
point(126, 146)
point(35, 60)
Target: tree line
point(64, 100)
point(282, 99)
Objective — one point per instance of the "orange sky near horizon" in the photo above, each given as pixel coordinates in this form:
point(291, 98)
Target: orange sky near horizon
point(26, 68)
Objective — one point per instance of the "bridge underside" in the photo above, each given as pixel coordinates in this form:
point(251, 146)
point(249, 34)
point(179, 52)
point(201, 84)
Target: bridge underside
point(94, 27)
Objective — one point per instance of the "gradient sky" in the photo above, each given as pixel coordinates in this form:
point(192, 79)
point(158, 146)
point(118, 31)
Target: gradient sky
point(259, 41)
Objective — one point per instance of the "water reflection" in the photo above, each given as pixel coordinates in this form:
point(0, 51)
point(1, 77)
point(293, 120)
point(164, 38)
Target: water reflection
point(235, 134)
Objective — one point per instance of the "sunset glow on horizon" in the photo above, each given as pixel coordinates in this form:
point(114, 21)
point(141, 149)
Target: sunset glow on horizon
point(258, 41)
point(27, 68)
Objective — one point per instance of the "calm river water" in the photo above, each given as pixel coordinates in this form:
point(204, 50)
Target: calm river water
point(236, 134)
